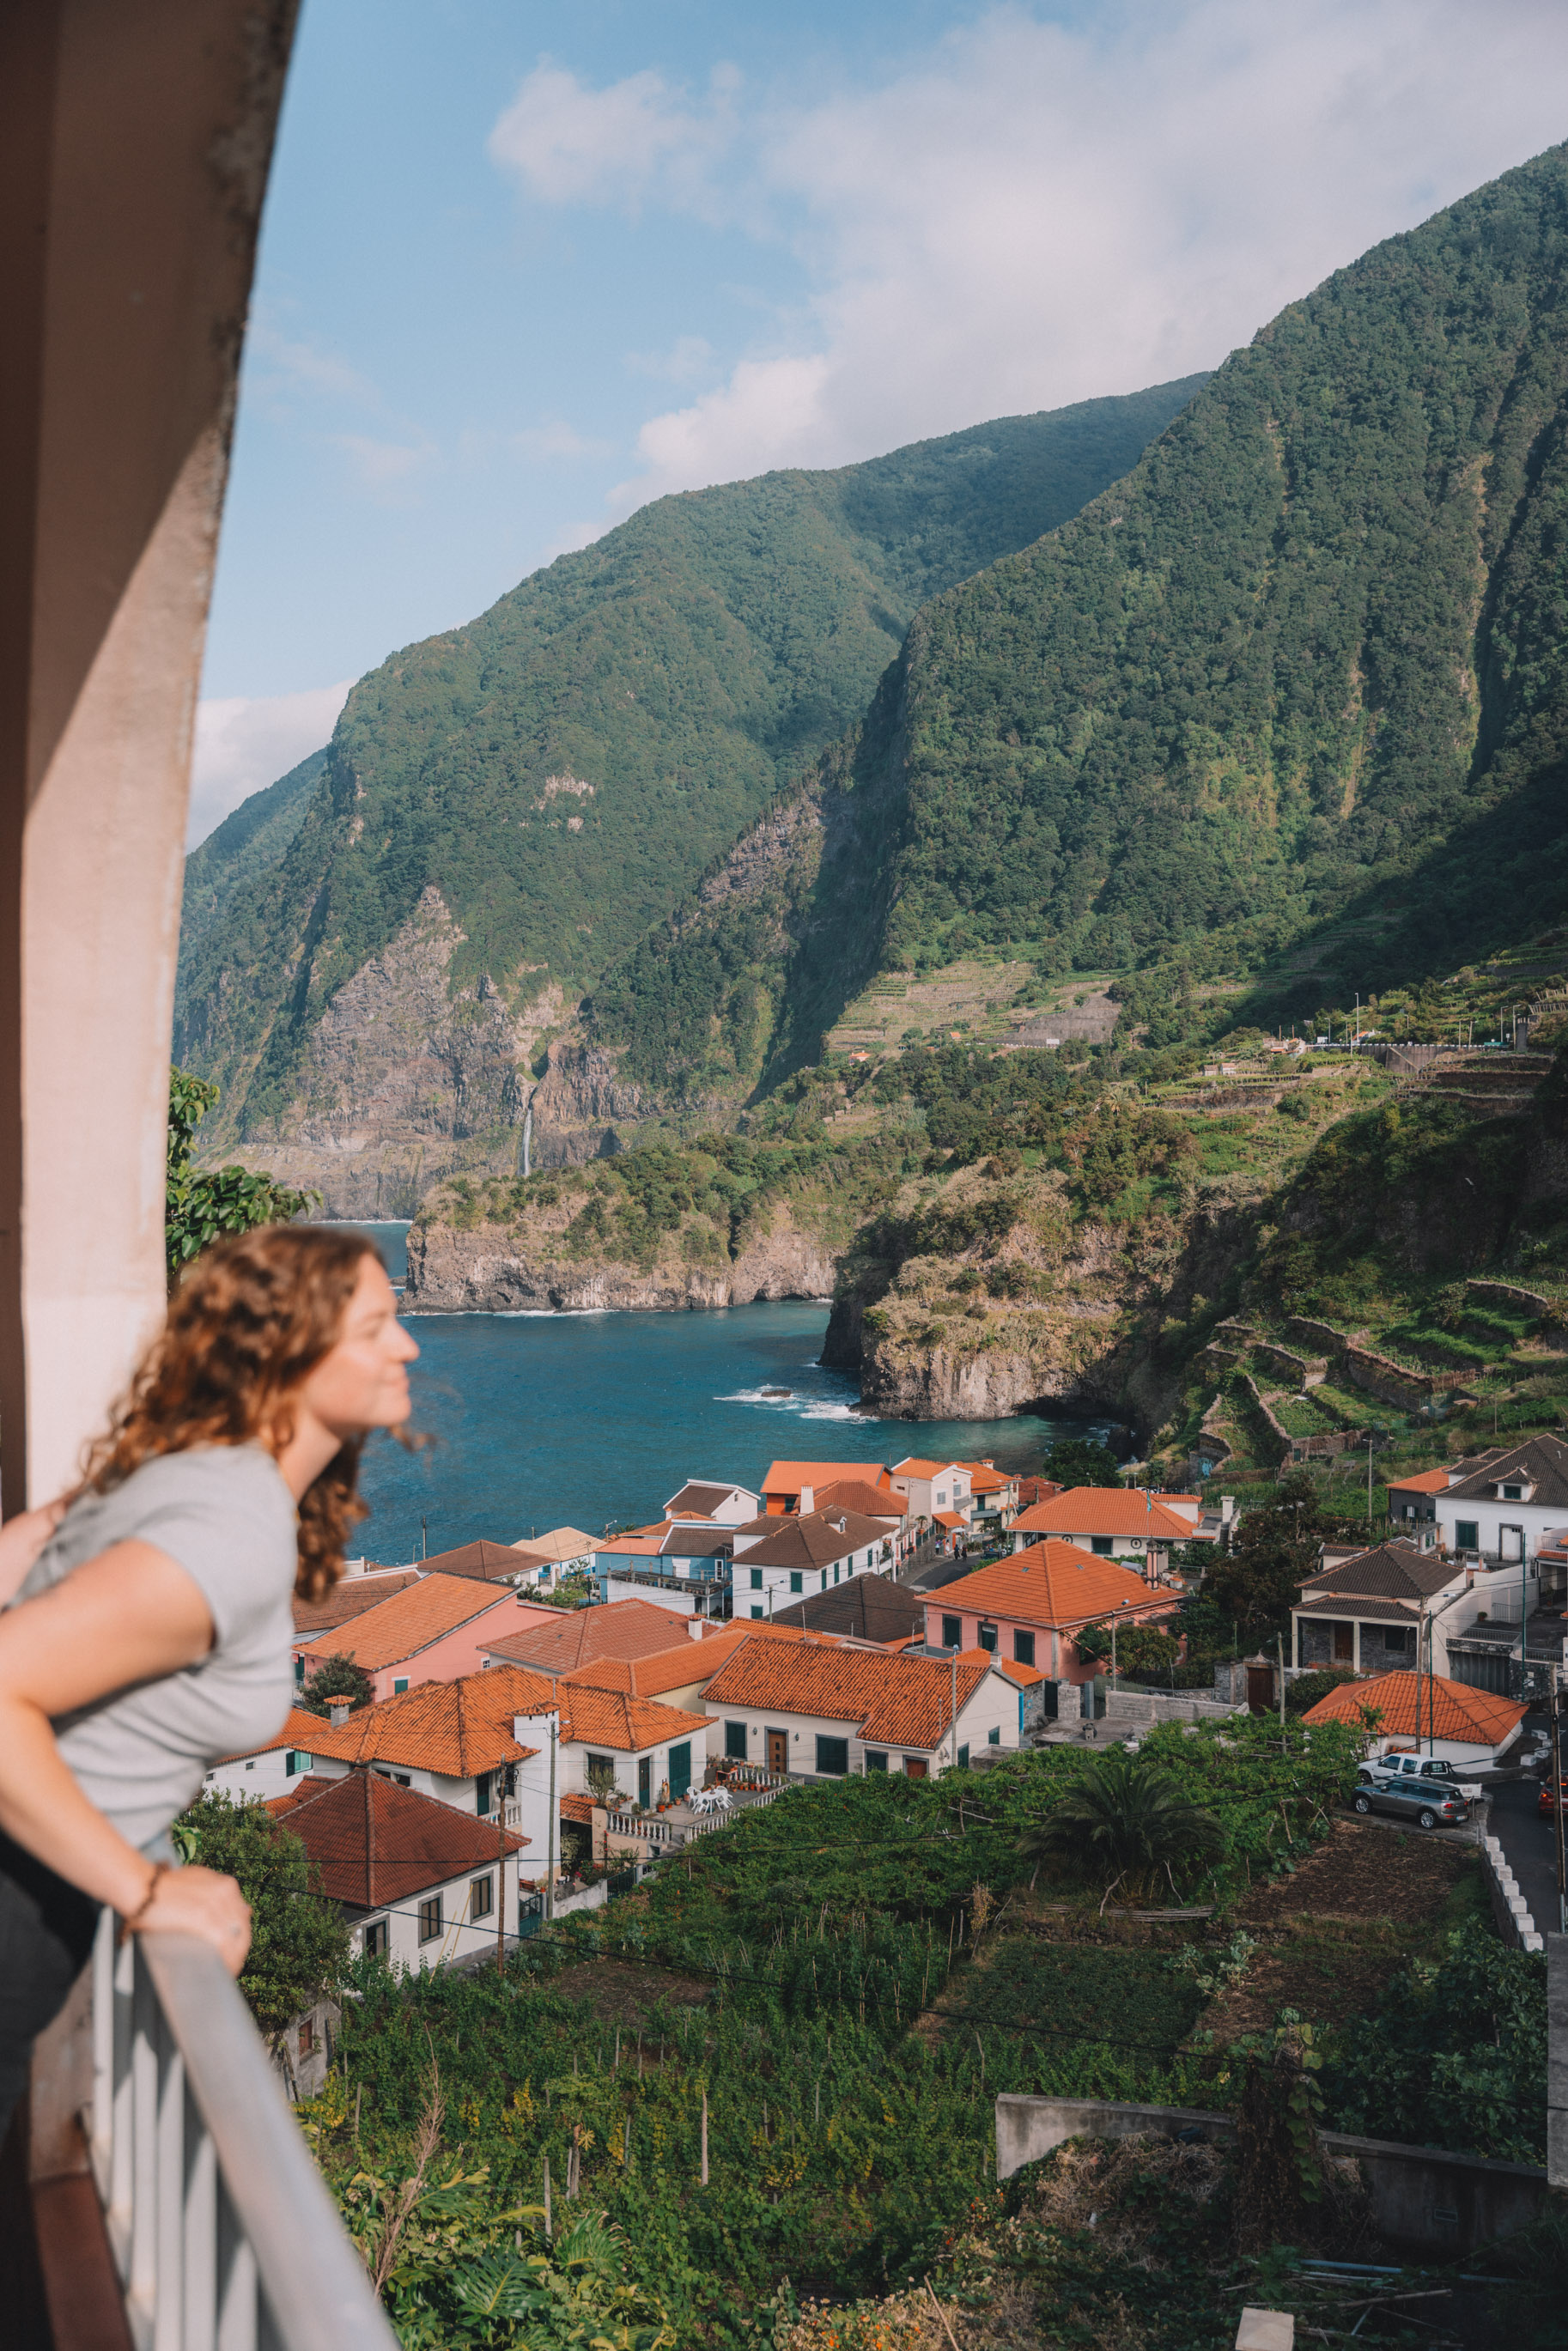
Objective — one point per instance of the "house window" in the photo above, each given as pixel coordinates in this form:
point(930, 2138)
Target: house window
point(481, 1896)
point(600, 1776)
point(429, 1919)
point(964, 1756)
point(680, 1771)
point(299, 1670)
point(296, 1763)
point(756, 1579)
point(757, 1612)
point(1345, 1645)
point(941, 1501)
point(1466, 1534)
point(1102, 1545)
point(833, 1756)
point(1399, 1638)
point(988, 1638)
point(482, 1792)
point(952, 1632)
point(1023, 1648)
point(875, 1761)
point(644, 1780)
point(375, 1939)
point(796, 1580)
point(1514, 1493)
point(306, 2040)
point(400, 1685)
point(735, 1740)
point(994, 1735)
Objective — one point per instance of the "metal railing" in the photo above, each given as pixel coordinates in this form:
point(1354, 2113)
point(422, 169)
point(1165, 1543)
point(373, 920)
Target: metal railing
point(221, 2228)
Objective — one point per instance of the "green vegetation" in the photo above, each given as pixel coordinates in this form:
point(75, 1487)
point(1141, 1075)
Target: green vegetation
point(199, 1207)
point(338, 1679)
point(1127, 1824)
point(245, 846)
point(299, 1947)
point(563, 768)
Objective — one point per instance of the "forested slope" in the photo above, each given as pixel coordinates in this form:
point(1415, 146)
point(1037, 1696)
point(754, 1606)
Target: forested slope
point(246, 847)
point(1300, 677)
point(563, 769)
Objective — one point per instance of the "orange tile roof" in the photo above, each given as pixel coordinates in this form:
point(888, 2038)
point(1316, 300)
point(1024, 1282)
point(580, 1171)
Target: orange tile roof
point(913, 1467)
point(350, 1598)
point(982, 1478)
point(411, 1620)
point(625, 1628)
point(376, 1842)
point(299, 1731)
point(1052, 1583)
point(1106, 1510)
point(1421, 1481)
point(462, 1727)
point(788, 1476)
point(951, 1518)
point(673, 1668)
point(1448, 1709)
point(860, 1494)
point(893, 1700)
point(579, 1809)
point(1026, 1677)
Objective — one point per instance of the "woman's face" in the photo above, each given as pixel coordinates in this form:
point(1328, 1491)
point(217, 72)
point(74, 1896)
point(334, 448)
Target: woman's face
point(363, 1382)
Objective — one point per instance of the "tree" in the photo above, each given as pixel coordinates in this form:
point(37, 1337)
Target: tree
point(202, 1204)
point(1127, 1821)
point(300, 1945)
point(1078, 1461)
point(338, 1679)
point(1275, 1549)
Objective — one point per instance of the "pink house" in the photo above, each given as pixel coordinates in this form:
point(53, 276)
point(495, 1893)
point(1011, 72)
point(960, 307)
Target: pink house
point(1028, 1609)
point(432, 1631)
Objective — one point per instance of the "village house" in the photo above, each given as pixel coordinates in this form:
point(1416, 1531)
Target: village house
point(995, 1495)
point(701, 1498)
point(420, 1884)
point(816, 1709)
point(1413, 1505)
point(1471, 1728)
point(1030, 1607)
point(780, 1560)
point(867, 1608)
point(559, 1551)
point(792, 1486)
point(483, 1744)
point(1111, 1521)
point(1367, 1611)
point(1506, 1507)
point(358, 1590)
point(867, 1500)
point(682, 1565)
point(636, 1627)
point(267, 1771)
point(486, 1563)
point(678, 1676)
point(938, 1493)
point(432, 1631)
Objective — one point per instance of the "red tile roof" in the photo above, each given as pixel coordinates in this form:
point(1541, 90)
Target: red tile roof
point(1053, 1584)
point(891, 1699)
point(860, 1494)
point(952, 1520)
point(1421, 1481)
point(1105, 1510)
point(984, 1478)
point(579, 1809)
point(1448, 1709)
point(349, 1599)
point(625, 1628)
point(400, 1627)
point(674, 1668)
point(788, 1476)
point(486, 1560)
point(1026, 1677)
point(914, 1467)
point(462, 1727)
point(375, 1842)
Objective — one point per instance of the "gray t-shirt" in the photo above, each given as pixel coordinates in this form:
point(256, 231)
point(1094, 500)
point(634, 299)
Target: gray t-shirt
point(223, 1513)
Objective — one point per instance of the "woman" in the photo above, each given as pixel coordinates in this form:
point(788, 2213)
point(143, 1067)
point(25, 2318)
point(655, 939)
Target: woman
point(148, 1628)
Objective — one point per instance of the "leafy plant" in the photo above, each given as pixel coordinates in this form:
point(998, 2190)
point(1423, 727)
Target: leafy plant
point(200, 1206)
point(299, 1944)
point(335, 1681)
point(1127, 1824)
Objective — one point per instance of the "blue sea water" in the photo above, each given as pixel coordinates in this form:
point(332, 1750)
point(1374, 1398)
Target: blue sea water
point(594, 1420)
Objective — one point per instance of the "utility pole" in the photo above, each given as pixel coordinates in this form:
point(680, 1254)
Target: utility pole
point(551, 1831)
point(1557, 1824)
point(955, 1698)
point(1369, 1485)
point(1279, 1648)
point(501, 1871)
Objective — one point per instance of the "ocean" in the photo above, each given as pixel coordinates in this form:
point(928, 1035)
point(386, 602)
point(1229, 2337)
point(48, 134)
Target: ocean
point(596, 1420)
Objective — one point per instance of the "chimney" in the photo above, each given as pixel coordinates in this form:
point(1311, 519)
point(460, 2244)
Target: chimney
point(808, 1499)
point(340, 1712)
point(1227, 1509)
point(695, 1627)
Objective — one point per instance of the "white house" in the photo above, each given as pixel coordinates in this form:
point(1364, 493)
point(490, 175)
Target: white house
point(420, 1884)
point(1468, 1727)
point(777, 1560)
point(1502, 1509)
point(270, 1770)
point(707, 1497)
point(825, 1711)
point(934, 1487)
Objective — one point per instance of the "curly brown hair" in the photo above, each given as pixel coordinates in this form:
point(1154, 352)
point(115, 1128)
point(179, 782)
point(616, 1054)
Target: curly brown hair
point(250, 1320)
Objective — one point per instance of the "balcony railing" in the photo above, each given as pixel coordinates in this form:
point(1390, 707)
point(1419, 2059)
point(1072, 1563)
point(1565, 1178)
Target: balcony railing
point(221, 2228)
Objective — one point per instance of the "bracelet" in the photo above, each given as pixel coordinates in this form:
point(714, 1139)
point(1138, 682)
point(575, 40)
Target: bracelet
point(129, 1926)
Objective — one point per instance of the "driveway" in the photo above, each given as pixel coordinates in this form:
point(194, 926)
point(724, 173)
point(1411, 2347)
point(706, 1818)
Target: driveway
point(1526, 1842)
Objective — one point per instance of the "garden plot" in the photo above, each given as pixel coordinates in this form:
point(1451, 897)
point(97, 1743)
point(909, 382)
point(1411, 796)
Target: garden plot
point(617, 1991)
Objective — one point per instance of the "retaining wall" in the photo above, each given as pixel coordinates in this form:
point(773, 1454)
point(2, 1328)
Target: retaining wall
point(1423, 2202)
point(1507, 1904)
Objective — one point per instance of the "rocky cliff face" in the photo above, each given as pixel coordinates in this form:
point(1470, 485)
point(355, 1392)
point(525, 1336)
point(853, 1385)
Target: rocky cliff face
point(491, 1268)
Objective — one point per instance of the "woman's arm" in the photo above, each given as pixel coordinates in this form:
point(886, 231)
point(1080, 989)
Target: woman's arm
point(21, 1539)
point(130, 1615)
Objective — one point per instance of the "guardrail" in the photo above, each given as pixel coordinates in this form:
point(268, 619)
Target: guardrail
point(221, 2228)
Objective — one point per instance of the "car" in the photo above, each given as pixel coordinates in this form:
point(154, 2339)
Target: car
point(1432, 1770)
point(1547, 1802)
point(1429, 1806)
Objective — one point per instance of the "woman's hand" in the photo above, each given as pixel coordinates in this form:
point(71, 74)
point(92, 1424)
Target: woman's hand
point(201, 1902)
point(21, 1539)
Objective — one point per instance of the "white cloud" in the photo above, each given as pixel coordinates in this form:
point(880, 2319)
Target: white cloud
point(380, 464)
point(244, 743)
point(291, 359)
point(1033, 213)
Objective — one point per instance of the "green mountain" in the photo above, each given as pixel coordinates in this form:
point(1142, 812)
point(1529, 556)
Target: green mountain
point(244, 848)
point(1299, 682)
point(545, 784)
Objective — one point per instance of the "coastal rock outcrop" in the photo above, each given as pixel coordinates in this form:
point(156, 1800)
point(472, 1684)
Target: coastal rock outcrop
point(490, 1269)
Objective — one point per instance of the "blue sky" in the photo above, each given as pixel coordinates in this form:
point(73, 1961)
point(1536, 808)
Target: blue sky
point(525, 265)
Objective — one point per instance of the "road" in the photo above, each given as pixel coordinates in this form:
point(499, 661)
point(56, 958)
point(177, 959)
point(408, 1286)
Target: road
point(1526, 1842)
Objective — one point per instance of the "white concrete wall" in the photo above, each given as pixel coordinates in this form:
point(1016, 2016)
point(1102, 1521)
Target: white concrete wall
point(460, 1937)
point(752, 1602)
point(257, 1779)
point(1489, 1515)
point(994, 1706)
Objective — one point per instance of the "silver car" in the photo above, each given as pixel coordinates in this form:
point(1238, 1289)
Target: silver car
point(1429, 1806)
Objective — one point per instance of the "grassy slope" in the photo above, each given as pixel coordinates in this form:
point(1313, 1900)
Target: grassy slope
point(685, 666)
point(246, 846)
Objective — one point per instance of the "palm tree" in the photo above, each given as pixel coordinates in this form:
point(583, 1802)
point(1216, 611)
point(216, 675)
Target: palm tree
point(1126, 1821)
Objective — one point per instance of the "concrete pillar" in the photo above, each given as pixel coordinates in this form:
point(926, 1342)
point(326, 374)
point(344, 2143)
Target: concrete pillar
point(135, 137)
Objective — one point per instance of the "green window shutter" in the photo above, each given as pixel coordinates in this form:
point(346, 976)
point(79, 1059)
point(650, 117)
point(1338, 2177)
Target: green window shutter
point(756, 1579)
point(795, 1580)
point(952, 1632)
point(1466, 1534)
point(875, 1759)
point(735, 1740)
point(644, 1780)
point(482, 1793)
point(994, 1735)
point(680, 1771)
point(833, 1756)
point(398, 1687)
point(964, 1758)
point(1023, 1648)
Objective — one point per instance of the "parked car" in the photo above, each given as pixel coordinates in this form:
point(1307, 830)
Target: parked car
point(1413, 1799)
point(1547, 1802)
point(1429, 1770)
